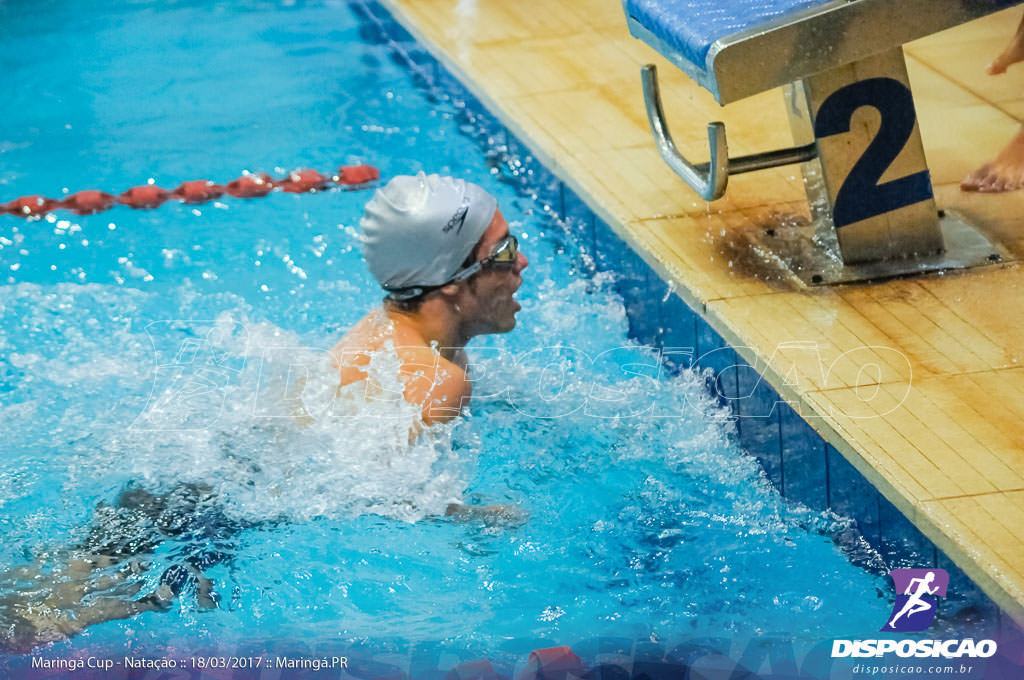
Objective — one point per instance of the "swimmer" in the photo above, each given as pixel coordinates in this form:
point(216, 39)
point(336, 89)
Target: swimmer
point(1006, 171)
point(442, 251)
point(449, 266)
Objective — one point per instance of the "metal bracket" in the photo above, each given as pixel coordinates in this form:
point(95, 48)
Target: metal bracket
point(710, 179)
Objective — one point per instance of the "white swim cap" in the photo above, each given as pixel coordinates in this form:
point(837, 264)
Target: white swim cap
point(417, 231)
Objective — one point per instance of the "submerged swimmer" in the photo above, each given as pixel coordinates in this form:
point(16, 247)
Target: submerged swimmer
point(98, 577)
point(1006, 171)
point(443, 253)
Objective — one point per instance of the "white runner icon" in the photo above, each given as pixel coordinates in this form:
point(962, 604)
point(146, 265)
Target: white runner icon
point(916, 604)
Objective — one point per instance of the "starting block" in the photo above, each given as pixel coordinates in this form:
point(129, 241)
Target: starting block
point(838, 60)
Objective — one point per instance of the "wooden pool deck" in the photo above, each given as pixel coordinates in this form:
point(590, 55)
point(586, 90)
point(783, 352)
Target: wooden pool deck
point(939, 432)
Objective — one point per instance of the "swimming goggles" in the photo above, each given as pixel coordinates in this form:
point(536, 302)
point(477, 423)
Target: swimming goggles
point(505, 252)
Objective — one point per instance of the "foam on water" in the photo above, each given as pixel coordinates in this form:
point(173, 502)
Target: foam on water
point(221, 407)
point(284, 441)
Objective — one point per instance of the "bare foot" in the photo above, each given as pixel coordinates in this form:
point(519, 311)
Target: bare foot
point(1005, 173)
point(1013, 53)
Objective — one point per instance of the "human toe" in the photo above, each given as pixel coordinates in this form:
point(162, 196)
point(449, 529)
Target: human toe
point(975, 180)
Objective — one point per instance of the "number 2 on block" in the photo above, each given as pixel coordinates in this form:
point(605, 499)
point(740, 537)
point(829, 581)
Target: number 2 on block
point(861, 196)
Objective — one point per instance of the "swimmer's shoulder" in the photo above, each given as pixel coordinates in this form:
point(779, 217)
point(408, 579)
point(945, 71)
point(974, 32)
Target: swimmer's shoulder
point(351, 355)
point(439, 386)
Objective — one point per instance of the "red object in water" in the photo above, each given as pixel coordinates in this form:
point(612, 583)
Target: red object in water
point(251, 186)
point(357, 174)
point(88, 202)
point(552, 663)
point(32, 206)
point(199, 191)
point(144, 197)
point(301, 181)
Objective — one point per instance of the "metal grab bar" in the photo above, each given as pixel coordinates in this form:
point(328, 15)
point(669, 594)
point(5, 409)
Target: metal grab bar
point(710, 179)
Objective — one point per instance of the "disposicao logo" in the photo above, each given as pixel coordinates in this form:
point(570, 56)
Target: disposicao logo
point(921, 589)
point(917, 597)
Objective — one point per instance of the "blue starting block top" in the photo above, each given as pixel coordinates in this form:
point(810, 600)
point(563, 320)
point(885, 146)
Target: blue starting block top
point(691, 27)
point(737, 48)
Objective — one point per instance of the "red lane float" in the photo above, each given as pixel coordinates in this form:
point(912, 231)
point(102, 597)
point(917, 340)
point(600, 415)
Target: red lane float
point(552, 663)
point(251, 186)
point(301, 181)
point(198, 191)
point(149, 196)
point(145, 197)
point(88, 202)
point(31, 206)
point(357, 174)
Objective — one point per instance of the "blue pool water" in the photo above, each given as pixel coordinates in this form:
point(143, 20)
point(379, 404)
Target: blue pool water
point(157, 347)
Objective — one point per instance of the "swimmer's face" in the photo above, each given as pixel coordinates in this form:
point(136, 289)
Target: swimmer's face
point(487, 298)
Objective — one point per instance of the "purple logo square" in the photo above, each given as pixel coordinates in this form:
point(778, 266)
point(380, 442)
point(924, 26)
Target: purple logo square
point(917, 597)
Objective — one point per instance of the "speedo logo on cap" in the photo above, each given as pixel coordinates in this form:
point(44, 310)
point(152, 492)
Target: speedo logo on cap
point(459, 218)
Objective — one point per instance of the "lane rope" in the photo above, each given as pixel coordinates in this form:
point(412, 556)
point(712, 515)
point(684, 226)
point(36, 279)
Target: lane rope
point(149, 196)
